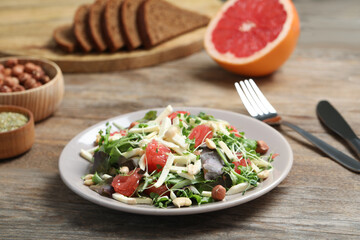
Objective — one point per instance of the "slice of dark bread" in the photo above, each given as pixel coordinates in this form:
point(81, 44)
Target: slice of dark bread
point(128, 20)
point(112, 25)
point(65, 38)
point(96, 24)
point(81, 28)
point(159, 21)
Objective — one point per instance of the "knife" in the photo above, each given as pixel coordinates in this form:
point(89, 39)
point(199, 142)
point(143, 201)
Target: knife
point(331, 118)
point(338, 156)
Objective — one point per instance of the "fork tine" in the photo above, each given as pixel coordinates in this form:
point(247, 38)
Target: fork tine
point(250, 98)
point(245, 101)
point(261, 96)
point(255, 97)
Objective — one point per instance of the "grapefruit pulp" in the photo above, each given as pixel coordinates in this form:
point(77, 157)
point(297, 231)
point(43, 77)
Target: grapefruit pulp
point(253, 37)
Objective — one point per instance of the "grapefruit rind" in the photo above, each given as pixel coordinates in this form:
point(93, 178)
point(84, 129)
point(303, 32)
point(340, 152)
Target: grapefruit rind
point(266, 60)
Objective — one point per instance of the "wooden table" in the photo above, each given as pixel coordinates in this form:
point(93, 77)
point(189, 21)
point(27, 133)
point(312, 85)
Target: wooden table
point(318, 200)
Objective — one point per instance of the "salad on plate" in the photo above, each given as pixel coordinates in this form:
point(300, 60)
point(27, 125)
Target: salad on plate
point(175, 159)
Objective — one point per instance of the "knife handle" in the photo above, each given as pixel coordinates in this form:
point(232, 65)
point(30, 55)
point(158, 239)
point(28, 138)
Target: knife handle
point(332, 152)
point(355, 145)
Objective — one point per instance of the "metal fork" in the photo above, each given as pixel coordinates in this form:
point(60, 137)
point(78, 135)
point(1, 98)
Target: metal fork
point(260, 108)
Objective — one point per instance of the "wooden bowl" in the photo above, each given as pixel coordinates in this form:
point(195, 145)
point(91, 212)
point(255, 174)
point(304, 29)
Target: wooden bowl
point(41, 101)
point(20, 140)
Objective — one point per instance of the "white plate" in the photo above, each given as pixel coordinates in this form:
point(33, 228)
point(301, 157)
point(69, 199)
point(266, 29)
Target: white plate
point(72, 166)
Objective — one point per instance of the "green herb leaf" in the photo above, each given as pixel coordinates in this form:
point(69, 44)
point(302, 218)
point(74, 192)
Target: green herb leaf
point(96, 178)
point(151, 115)
point(204, 116)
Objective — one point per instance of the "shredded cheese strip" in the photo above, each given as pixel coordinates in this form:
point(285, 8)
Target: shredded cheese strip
point(164, 126)
point(182, 160)
point(172, 195)
point(237, 188)
point(124, 199)
point(130, 200)
point(206, 193)
point(194, 190)
point(254, 167)
point(180, 140)
point(134, 152)
point(86, 155)
point(171, 145)
point(142, 164)
point(150, 136)
point(168, 110)
point(186, 175)
point(165, 171)
point(143, 200)
point(226, 150)
point(92, 150)
point(176, 121)
point(261, 163)
point(154, 128)
point(175, 169)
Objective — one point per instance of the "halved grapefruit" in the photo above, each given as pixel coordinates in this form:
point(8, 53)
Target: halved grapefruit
point(253, 37)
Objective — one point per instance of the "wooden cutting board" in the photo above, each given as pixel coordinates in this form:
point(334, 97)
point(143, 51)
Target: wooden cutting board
point(26, 29)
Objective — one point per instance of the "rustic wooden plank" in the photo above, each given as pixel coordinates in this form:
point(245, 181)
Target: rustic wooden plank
point(29, 32)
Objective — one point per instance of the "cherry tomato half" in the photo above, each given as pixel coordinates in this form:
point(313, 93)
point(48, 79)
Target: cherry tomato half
point(161, 191)
point(232, 129)
point(174, 114)
point(126, 185)
point(243, 163)
point(133, 124)
point(200, 133)
point(121, 132)
point(156, 155)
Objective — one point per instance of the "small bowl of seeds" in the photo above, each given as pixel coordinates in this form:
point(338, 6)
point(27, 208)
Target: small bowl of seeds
point(34, 83)
point(17, 131)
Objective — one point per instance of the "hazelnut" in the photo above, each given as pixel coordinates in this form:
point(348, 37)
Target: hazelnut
point(11, 62)
point(44, 79)
point(218, 193)
point(38, 84)
point(29, 67)
point(18, 88)
point(5, 89)
point(7, 71)
point(23, 77)
point(39, 69)
point(30, 83)
point(36, 74)
point(262, 147)
point(11, 81)
point(16, 77)
point(18, 70)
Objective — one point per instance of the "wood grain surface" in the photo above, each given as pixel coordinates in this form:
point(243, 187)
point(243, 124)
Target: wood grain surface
point(29, 26)
point(318, 200)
